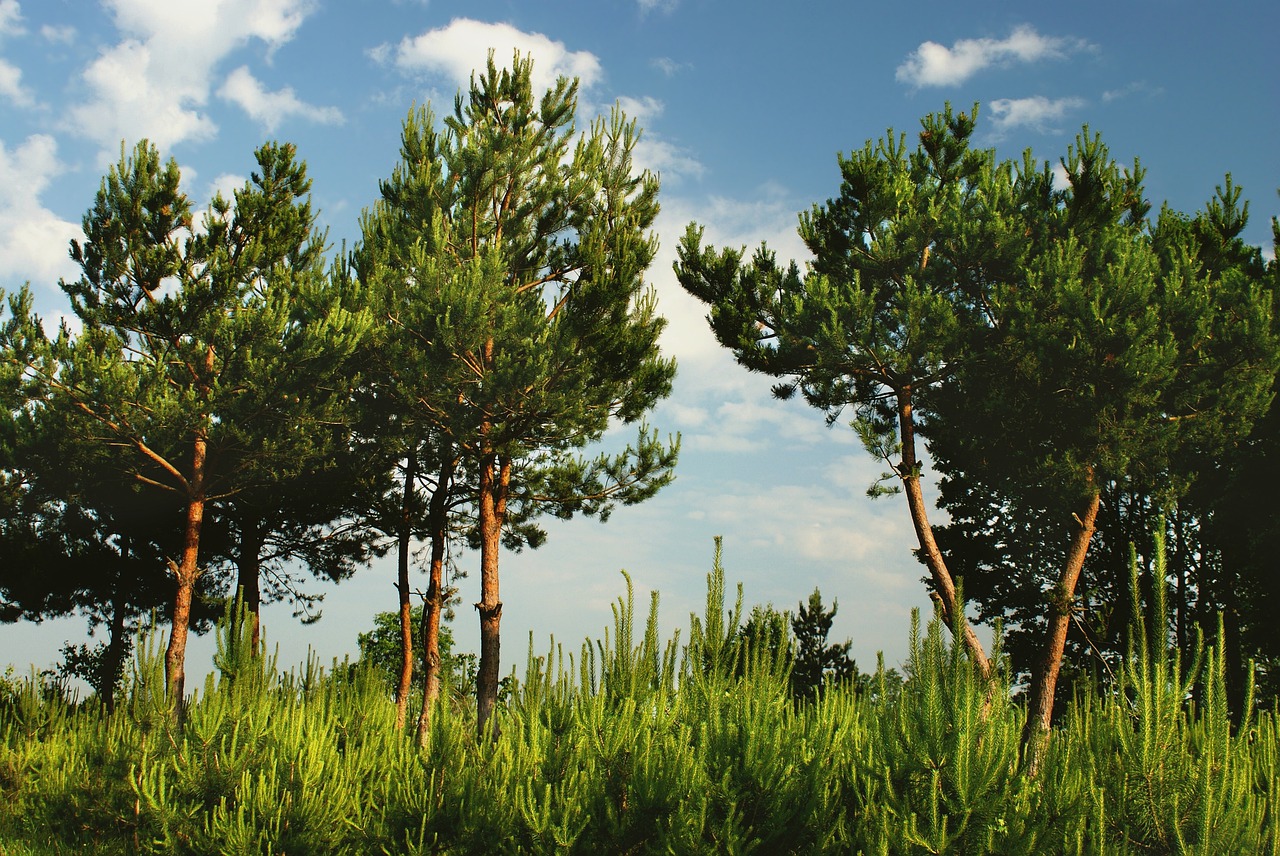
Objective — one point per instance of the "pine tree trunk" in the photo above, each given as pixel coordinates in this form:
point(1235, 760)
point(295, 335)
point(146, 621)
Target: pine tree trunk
point(943, 584)
point(433, 604)
point(402, 586)
point(1044, 676)
point(113, 657)
point(495, 476)
point(186, 570)
point(249, 577)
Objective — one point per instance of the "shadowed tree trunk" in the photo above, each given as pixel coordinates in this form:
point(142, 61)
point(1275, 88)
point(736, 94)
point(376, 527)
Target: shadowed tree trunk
point(402, 586)
point(433, 603)
point(113, 656)
point(249, 576)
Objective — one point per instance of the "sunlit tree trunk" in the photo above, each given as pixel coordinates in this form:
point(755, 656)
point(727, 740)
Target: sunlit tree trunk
point(943, 584)
point(186, 570)
point(1044, 677)
point(495, 477)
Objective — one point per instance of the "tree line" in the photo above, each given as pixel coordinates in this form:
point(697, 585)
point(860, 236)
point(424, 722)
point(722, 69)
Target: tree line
point(237, 405)
point(235, 400)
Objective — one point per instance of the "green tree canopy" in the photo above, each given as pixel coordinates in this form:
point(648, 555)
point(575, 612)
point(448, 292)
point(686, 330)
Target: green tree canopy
point(522, 293)
point(195, 337)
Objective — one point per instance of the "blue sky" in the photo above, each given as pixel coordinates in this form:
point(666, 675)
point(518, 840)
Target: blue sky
point(744, 107)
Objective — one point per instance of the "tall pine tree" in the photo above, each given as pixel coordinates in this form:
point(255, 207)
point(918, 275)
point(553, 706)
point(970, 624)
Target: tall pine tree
point(521, 286)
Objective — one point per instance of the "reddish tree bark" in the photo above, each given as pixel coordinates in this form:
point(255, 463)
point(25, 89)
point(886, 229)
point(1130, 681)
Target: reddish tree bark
point(1044, 677)
point(186, 570)
point(495, 478)
point(943, 585)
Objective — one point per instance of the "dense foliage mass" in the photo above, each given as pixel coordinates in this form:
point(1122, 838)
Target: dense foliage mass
point(638, 747)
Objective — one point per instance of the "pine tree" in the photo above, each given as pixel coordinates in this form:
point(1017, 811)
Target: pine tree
point(521, 285)
point(816, 660)
point(195, 342)
point(1109, 358)
point(901, 258)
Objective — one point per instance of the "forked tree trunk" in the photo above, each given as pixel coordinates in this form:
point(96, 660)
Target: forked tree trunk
point(405, 685)
point(186, 570)
point(1044, 676)
point(495, 477)
point(433, 603)
point(943, 584)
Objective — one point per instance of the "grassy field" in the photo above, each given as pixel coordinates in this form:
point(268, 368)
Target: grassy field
point(635, 745)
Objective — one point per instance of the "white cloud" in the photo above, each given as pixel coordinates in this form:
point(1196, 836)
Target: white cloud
point(933, 64)
point(156, 81)
point(270, 109)
point(10, 15)
point(226, 184)
point(10, 75)
point(1037, 112)
point(460, 48)
point(33, 240)
point(1061, 178)
point(64, 35)
point(11, 84)
point(643, 109)
point(667, 159)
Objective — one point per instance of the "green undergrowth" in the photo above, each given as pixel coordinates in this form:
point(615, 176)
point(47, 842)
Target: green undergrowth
point(633, 745)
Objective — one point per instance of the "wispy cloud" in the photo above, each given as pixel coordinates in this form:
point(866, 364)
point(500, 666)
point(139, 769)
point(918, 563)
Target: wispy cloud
point(933, 64)
point(647, 6)
point(642, 109)
point(270, 109)
point(668, 66)
point(1037, 112)
point(62, 35)
point(155, 82)
point(456, 50)
point(1138, 87)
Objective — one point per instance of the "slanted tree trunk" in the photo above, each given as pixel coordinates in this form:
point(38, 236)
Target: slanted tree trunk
point(402, 586)
point(185, 571)
point(943, 584)
point(433, 603)
point(1044, 676)
point(495, 477)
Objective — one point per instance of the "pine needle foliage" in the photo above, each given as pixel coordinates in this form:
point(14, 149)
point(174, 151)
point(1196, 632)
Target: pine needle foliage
point(636, 744)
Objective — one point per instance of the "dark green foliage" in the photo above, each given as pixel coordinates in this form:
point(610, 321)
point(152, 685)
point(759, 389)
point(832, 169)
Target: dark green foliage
point(632, 747)
point(817, 662)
